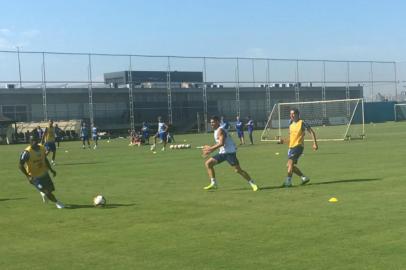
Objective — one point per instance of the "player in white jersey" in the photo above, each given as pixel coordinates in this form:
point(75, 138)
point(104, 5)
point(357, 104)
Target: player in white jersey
point(227, 151)
point(95, 137)
point(162, 134)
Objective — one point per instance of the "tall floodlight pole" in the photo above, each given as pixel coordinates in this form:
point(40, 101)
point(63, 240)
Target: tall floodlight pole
point(372, 80)
point(169, 91)
point(205, 96)
point(19, 65)
point(347, 90)
point(253, 72)
point(90, 90)
point(44, 89)
point(237, 89)
point(323, 90)
point(396, 80)
point(131, 97)
point(297, 88)
point(268, 89)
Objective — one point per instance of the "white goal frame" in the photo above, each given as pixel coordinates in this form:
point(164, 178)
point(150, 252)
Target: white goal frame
point(395, 113)
point(277, 108)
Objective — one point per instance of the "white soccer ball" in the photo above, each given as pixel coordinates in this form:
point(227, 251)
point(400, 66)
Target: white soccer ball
point(99, 200)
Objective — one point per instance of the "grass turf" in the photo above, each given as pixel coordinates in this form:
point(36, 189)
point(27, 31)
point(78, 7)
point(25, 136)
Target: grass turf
point(159, 217)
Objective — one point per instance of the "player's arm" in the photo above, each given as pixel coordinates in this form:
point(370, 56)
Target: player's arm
point(23, 159)
point(49, 167)
point(311, 131)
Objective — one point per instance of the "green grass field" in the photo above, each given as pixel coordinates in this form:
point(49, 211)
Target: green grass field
point(159, 217)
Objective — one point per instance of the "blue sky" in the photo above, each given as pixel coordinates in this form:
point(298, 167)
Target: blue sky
point(358, 30)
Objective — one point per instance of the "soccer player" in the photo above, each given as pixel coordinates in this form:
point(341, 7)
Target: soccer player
point(162, 133)
point(297, 128)
point(49, 137)
point(58, 135)
point(95, 137)
point(224, 123)
point(250, 128)
point(84, 134)
point(35, 166)
point(239, 126)
point(145, 132)
point(227, 152)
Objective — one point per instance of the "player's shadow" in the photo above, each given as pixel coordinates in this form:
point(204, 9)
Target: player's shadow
point(11, 199)
point(79, 163)
point(107, 206)
point(355, 180)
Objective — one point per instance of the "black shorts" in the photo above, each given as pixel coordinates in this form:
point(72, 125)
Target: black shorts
point(43, 183)
point(230, 157)
point(294, 153)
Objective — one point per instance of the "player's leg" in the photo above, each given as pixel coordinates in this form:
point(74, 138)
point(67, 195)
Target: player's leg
point(210, 163)
point(250, 135)
point(233, 161)
point(46, 186)
point(289, 165)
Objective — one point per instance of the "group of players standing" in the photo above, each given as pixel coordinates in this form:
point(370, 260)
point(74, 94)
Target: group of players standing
point(35, 165)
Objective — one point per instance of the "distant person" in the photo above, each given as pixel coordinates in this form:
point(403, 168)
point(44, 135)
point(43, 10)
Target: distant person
point(49, 139)
point(227, 152)
point(145, 132)
point(297, 128)
point(171, 136)
point(239, 127)
point(35, 166)
point(250, 128)
point(59, 135)
point(162, 134)
point(224, 123)
point(84, 134)
point(95, 137)
point(39, 132)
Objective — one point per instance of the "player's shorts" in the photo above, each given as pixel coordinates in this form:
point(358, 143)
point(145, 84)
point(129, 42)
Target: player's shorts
point(230, 157)
point(95, 138)
point(295, 152)
point(163, 136)
point(50, 146)
point(145, 135)
point(240, 134)
point(43, 183)
point(85, 138)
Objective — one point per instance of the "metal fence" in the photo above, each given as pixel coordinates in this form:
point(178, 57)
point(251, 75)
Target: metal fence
point(381, 80)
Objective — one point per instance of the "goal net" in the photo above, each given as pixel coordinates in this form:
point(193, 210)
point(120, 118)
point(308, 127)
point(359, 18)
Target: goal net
point(400, 112)
point(331, 120)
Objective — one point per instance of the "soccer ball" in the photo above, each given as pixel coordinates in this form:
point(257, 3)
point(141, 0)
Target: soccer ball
point(99, 200)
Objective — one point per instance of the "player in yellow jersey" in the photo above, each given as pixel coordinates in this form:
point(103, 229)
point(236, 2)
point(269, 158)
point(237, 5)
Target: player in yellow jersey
point(35, 166)
point(49, 138)
point(297, 129)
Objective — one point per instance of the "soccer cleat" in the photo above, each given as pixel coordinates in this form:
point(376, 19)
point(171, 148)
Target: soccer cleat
point(254, 187)
point(44, 197)
point(305, 180)
point(59, 205)
point(212, 185)
point(287, 184)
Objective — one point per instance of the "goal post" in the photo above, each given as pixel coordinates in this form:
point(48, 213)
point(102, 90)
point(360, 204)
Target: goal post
point(332, 120)
point(400, 111)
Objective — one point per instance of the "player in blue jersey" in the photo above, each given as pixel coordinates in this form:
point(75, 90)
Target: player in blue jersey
point(95, 137)
point(162, 134)
point(250, 128)
point(224, 123)
point(145, 132)
point(84, 134)
point(239, 127)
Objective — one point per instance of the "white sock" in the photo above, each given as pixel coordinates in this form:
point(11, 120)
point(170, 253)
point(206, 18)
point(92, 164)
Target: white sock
point(251, 182)
point(213, 180)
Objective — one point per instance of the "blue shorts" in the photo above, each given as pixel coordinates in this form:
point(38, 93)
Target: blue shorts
point(163, 136)
point(295, 152)
point(43, 183)
point(95, 138)
point(230, 157)
point(145, 135)
point(240, 134)
point(50, 146)
point(85, 138)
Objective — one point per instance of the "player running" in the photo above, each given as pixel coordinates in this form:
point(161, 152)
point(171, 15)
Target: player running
point(250, 128)
point(145, 132)
point(227, 152)
point(35, 166)
point(49, 138)
point(297, 128)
